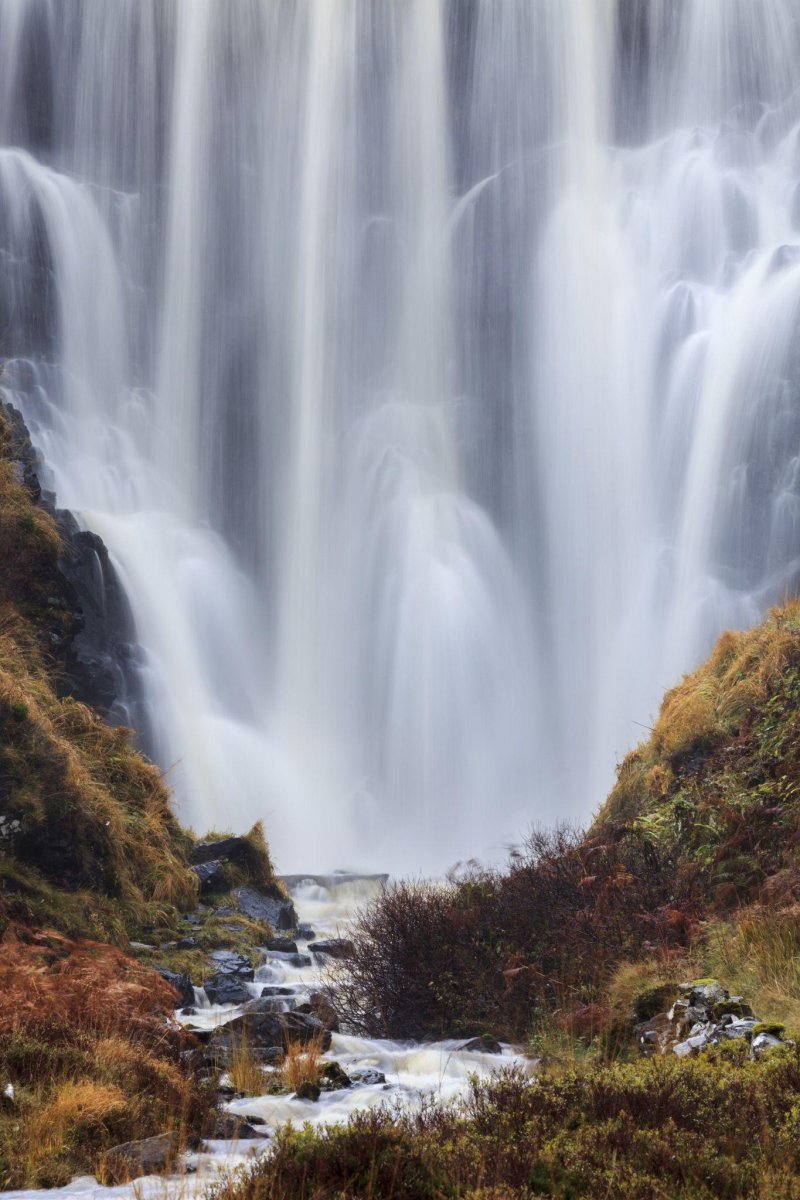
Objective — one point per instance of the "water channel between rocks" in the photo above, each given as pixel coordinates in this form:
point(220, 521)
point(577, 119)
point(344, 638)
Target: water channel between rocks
point(412, 1070)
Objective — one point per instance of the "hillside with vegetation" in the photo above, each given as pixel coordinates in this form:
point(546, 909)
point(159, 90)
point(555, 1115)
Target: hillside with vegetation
point(651, 966)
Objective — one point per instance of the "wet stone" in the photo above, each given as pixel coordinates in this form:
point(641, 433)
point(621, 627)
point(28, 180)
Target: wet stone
point(334, 1078)
point(367, 1076)
point(228, 962)
point(181, 983)
point(762, 1043)
point(226, 989)
point(332, 947)
point(150, 1156)
point(279, 913)
point(483, 1045)
point(232, 1128)
point(211, 876)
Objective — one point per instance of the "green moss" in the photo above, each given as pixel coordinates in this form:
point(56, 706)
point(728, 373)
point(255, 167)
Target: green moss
point(772, 1027)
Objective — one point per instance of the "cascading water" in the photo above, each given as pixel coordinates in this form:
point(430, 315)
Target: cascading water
point(429, 369)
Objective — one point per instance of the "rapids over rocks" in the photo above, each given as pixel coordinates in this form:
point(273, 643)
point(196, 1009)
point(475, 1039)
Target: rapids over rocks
point(429, 369)
point(382, 1072)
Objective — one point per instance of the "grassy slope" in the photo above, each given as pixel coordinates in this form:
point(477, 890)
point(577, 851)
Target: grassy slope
point(717, 785)
point(88, 845)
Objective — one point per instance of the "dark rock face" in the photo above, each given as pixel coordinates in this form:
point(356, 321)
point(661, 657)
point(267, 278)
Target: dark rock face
point(334, 1078)
point(211, 876)
point(281, 945)
point(229, 984)
point(484, 1045)
point(228, 962)
point(93, 637)
point(226, 989)
point(230, 1128)
point(368, 1076)
point(308, 1091)
point(229, 849)
point(259, 907)
point(182, 985)
point(269, 1029)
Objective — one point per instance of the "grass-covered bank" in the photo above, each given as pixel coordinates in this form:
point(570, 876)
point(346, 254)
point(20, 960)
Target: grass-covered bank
point(90, 1059)
point(88, 842)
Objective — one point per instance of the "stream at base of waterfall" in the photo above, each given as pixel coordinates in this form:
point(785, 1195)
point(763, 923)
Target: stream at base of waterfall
point(405, 1073)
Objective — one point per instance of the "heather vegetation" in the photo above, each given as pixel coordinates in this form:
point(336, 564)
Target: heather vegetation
point(716, 1128)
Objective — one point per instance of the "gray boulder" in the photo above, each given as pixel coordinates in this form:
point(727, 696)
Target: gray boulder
point(150, 1156)
point(278, 912)
point(226, 989)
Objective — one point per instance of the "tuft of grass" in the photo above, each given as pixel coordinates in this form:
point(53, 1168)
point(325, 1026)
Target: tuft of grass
point(758, 955)
point(302, 1064)
point(245, 1071)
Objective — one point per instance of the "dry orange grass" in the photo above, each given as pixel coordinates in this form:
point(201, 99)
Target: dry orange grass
point(302, 1064)
point(706, 707)
point(48, 981)
point(245, 1072)
point(86, 1040)
point(716, 697)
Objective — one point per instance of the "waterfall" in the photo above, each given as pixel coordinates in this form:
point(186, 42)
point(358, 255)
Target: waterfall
point(430, 371)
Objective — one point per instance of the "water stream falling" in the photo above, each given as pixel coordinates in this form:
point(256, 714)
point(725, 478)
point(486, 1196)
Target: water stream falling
point(430, 369)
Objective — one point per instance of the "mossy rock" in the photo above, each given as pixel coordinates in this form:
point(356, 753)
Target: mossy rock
point(774, 1028)
point(733, 1008)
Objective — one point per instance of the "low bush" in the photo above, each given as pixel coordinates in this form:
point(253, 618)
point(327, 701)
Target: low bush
point(720, 1127)
point(492, 951)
